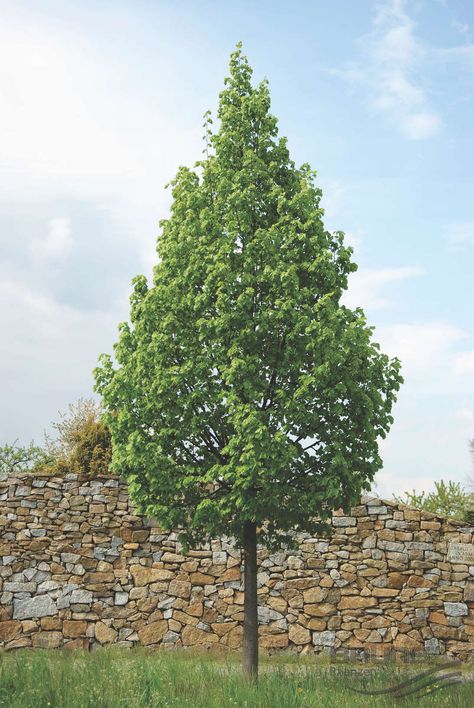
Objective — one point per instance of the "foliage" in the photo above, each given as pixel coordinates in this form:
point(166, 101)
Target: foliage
point(83, 444)
point(468, 515)
point(447, 500)
point(16, 458)
point(70, 425)
point(243, 390)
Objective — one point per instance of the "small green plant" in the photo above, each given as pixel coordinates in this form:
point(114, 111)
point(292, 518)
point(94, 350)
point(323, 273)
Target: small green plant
point(448, 499)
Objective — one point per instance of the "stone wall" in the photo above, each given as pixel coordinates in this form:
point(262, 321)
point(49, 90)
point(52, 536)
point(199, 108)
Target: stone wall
point(79, 569)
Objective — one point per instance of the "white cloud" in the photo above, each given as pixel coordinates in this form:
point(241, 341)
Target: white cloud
point(391, 72)
point(461, 234)
point(461, 27)
point(388, 484)
point(58, 241)
point(464, 363)
point(333, 197)
point(365, 285)
point(421, 347)
point(76, 122)
point(396, 54)
point(433, 416)
point(464, 414)
point(46, 360)
point(462, 54)
point(420, 126)
point(47, 114)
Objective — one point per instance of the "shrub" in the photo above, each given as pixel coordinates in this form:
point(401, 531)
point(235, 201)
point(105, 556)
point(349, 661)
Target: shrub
point(447, 500)
point(469, 510)
point(83, 444)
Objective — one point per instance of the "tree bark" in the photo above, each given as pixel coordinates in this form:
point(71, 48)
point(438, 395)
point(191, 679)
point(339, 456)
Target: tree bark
point(250, 643)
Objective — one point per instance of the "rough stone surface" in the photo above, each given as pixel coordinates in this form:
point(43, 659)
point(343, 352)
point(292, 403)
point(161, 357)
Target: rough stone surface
point(298, 634)
point(324, 639)
point(39, 606)
point(47, 640)
point(80, 569)
point(105, 634)
point(456, 609)
point(9, 630)
point(153, 633)
point(74, 628)
point(193, 636)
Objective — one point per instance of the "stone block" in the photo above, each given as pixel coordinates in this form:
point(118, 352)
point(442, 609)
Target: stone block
point(343, 521)
point(74, 628)
point(192, 636)
point(324, 639)
point(47, 640)
point(34, 607)
point(142, 575)
point(105, 634)
point(355, 602)
point(120, 598)
point(203, 578)
point(180, 588)
point(153, 633)
point(455, 609)
point(81, 597)
point(10, 629)
point(299, 634)
point(273, 641)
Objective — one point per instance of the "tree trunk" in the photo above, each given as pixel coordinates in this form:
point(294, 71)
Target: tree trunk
point(250, 644)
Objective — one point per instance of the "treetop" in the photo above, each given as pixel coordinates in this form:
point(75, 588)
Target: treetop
point(242, 388)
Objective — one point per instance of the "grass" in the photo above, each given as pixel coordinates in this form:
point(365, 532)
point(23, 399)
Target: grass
point(120, 679)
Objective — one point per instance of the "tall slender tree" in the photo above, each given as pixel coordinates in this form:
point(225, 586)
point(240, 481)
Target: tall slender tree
point(244, 398)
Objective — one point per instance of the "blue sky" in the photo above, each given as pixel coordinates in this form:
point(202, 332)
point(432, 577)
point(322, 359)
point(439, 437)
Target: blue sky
point(102, 101)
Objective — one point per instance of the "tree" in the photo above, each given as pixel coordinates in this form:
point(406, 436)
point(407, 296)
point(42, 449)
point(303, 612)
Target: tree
point(447, 500)
point(245, 399)
point(16, 458)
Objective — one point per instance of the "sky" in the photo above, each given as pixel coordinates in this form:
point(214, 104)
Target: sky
point(101, 101)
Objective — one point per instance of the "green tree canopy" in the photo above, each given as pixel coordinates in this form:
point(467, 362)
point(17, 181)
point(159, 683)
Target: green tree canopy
point(242, 389)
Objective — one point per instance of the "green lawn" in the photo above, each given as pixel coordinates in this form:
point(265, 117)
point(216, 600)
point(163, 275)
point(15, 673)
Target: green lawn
point(114, 678)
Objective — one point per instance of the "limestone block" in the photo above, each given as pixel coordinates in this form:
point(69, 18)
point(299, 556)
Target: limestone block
point(153, 633)
point(9, 630)
point(455, 609)
point(105, 634)
point(324, 639)
point(74, 628)
point(192, 636)
point(143, 575)
point(38, 606)
point(273, 641)
point(299, 634)
point(47, 640)
point(120, 598)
